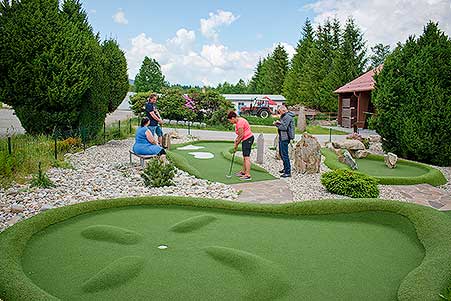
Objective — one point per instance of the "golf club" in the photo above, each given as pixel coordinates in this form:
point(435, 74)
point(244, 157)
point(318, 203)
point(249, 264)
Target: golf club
point(231, 165)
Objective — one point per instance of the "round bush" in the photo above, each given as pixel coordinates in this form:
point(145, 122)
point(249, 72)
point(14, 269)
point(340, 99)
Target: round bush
point(350, 183)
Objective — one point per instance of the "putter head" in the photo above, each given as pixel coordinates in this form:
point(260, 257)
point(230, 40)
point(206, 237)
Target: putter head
point(228, 176)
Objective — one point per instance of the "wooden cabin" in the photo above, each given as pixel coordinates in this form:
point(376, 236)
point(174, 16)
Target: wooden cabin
point(354, 101)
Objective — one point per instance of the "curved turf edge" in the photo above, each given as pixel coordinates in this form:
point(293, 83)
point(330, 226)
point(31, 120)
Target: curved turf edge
point(425, 282)
point(433, 176)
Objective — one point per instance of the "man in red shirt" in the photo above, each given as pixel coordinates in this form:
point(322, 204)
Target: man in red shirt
point(246, 138)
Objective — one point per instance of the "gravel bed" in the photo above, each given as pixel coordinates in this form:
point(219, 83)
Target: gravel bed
point(100, 172)
point(308, 186)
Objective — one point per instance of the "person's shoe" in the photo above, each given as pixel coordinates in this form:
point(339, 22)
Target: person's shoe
point(286, 175)
point(245, 178)
point(239, 174)
point(282, 171)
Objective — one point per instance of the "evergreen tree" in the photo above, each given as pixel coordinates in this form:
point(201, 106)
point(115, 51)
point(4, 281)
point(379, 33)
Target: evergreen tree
point(380, 52)
point(413, 98)
point(116, 70)
point(292, 83)
point(255, 83)
point(276, 70)
point(149, 77)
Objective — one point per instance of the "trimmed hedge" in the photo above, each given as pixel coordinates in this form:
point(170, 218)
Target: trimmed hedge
point(350, 183)
point(425, 282)
point(433, 176)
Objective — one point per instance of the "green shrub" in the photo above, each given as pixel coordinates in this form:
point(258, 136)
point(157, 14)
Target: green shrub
point(349, 183)
point(447, 293)
point(158, 173)
point(41, 179)
point(413, 99)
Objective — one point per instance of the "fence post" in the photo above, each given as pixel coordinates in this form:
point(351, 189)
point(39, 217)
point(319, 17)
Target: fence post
point(10, 149)
point(119, 123)
point(130, 126)
point(104, 132)
point(330, 134)
point(56, 147)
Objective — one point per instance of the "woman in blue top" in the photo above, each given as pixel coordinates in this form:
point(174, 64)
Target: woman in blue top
point(145, 143)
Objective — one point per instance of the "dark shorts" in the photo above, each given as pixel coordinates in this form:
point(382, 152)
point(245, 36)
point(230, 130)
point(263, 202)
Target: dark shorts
point(247, 146)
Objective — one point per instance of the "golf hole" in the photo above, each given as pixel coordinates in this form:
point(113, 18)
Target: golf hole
point(162, 247)
point(190, 147)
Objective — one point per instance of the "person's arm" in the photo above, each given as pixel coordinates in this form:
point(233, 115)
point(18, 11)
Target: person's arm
point(150, 137)
point(283, 124)
point(156, 117)
point(239, 138)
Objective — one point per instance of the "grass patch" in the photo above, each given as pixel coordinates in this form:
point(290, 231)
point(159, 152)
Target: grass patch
point(405, 173)
point(379, 245)
point(28, 150)
point(217, 168)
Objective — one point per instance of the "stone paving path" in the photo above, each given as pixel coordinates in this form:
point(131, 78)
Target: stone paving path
point(425, 194)
point(271, 192)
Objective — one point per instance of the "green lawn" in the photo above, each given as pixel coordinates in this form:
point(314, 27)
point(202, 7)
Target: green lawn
point(361, 249)
point(405, 173)
point(311, 129)
point(357, 256)
point(217, 168)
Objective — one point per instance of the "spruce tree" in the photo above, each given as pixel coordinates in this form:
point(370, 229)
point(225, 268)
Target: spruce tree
point(115, 66)
point(413, 98)
point(149, 77)
point(292, 83)
point(380, 52)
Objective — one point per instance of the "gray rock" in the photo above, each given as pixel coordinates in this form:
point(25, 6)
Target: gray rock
point(374, 138)
point(260, 148)
point(16, 208)
point(307, 154)
point(302, 123)
point(361, 154)
point(390, 160)
point(347, 159)
point(46, 207)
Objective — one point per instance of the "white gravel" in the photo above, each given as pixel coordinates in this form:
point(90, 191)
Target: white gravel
point(101, 172)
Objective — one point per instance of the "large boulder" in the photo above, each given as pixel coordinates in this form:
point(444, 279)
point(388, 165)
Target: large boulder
point(361, 154)
point(347, 159)
point(307, 154)
point(390, 160)
point(352, 145)
point(374, 138)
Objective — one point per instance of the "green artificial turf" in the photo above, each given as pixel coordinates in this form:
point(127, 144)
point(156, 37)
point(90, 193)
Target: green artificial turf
point(361, 249)
point(351, 253)
point(405, 173)
point(217, 168)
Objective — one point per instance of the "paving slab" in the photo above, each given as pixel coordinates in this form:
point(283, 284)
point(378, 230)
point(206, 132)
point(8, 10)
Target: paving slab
point(426, 195)
point(269, 192)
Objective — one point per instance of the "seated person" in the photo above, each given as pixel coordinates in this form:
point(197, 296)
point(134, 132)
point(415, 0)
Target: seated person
point(145, 143)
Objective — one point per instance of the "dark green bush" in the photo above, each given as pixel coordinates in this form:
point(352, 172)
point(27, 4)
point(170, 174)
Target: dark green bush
point(350, 183)
point(158, 173)
point(413, 99)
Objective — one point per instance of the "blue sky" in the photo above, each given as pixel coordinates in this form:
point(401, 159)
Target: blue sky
point(206, 42)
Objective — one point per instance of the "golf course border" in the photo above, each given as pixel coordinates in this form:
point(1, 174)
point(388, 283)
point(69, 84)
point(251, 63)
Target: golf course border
point(425, 282)
point(432, 176)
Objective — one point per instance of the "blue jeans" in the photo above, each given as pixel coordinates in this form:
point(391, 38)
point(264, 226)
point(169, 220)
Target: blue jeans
point(156, 129)
point(283, 151)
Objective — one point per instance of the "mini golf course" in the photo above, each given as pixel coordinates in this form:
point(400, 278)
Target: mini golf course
point(405, 173)
point(214, 169)
point(197, 249)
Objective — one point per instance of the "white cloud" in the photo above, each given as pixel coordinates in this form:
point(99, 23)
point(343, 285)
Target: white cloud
point(119, 17)
point(209, 27)
point(386, 21)
point(181, 63)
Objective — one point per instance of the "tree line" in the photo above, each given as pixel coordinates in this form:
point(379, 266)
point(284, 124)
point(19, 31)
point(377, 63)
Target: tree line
point(55, 71)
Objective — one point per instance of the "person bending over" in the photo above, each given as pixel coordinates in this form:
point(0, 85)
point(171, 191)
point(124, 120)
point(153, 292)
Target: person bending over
point(246, 138)
point(154, 116)
point(145, 143)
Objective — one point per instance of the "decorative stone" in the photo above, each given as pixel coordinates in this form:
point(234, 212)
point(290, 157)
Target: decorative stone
point(260, 148)
point(307, 154)
point(16, 208)
point(361, 154)
point(374, 138)
point(166, 141)
point(348, 159)
point(351, 144)
point(174, 135)
point(46, 207)
point(276, 146)
point(302, 123)
point(390, 160)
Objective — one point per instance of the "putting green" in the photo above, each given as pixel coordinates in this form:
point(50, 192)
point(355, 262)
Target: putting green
point(405, 173)
point(217, 168)
point(113, 254)
point(217, 250)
